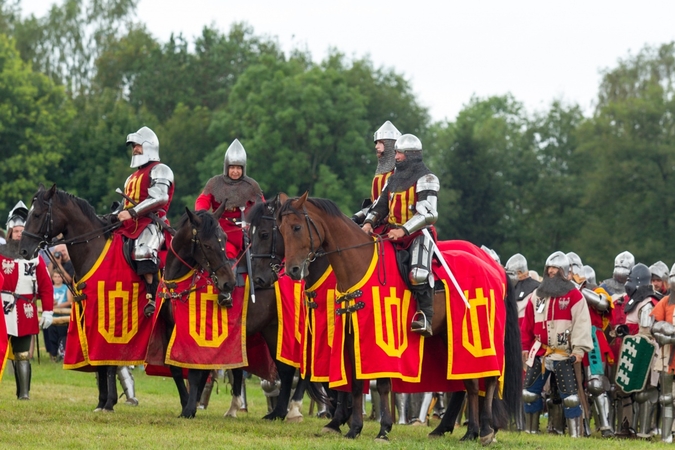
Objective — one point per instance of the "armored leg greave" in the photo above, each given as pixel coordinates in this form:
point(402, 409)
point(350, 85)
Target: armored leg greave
point(401, 401)
point(574, 426)
point(532, 422)
point(128, 385)
point(424, 407)
point(646, 401)
point(375, 398)
point(666, 401)
point(22, 373)
point(421, 278)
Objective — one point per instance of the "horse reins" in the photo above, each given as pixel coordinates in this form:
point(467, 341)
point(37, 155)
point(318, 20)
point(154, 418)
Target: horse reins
point(272, 255)
point(197, 242)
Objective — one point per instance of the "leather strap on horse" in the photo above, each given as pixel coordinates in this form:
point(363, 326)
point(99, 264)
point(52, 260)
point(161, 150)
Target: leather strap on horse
point(347, 298)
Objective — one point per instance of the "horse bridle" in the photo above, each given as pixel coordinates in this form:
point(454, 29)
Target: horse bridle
point(313, 254)
point(197, 242)
point(272, 256)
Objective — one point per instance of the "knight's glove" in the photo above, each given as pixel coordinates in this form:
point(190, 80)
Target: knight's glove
point(47, 319)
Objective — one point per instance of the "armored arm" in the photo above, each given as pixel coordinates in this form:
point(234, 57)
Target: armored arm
point(645, 318)
point(596, 301)
point(158, 192)
point(663, 332)
point(426, 211)
point(379, 209)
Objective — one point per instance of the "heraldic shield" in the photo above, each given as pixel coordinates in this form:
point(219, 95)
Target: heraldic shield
point(634, 364)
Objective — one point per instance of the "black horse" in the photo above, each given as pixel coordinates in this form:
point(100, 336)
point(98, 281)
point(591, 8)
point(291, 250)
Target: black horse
point(53, 213)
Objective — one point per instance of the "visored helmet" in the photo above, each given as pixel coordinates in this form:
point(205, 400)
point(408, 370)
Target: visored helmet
point(18, 215)
point(408, 143)
point(235, 156)
point(623, 263)
point(386, 131)
point(148, 140)
point(589, 273)
point(638, 276)
point(660, 270)
point(516, 263)
point(559, 260)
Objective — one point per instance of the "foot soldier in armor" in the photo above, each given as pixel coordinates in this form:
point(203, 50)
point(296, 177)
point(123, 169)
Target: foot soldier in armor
point(385, 139)
point(555, 333)
point(409, 201)
point(663, 331)
point(597, 360)
point(25, 280)
point(623, 263)
point(523, 283)
point(660, 281)
point(632, 320)
point(148, 192)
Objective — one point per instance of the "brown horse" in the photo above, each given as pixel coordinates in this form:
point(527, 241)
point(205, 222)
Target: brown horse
point(55, 213)
point(312, 227)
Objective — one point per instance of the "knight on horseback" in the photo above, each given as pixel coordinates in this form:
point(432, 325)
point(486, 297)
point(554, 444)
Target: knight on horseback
point(25, 280)
point(556, 334)
point(148, 191)
point(409, 204)
point(385, 139)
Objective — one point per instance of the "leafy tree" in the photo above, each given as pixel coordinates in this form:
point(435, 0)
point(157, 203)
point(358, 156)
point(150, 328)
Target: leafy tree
point(34, 114)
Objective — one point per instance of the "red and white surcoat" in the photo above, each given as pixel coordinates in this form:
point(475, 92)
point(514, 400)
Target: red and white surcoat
point(30, 279)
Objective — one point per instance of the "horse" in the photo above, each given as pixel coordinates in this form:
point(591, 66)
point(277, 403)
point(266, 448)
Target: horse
point(53, 213)
point(198, 247)
point(314, 227)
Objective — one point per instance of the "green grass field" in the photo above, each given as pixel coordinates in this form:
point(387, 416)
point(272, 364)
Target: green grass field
point(59, 415)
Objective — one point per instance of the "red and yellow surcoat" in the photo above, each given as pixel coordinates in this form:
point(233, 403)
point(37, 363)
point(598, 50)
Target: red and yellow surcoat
point(136, 187)
point(378, 184)
point(402, 206)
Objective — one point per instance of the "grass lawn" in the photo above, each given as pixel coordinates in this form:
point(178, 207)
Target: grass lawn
point(59, 415)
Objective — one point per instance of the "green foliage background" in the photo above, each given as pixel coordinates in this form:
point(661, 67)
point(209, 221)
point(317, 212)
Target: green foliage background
point(76, 81)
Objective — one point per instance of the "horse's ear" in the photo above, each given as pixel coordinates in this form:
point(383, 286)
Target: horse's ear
point(192, 217)
point(221, 209)
point(301, 201)
point(50, 193)
point(41, 187)
point(282, 197)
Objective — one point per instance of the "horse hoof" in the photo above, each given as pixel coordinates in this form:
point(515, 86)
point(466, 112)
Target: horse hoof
point(98, 409)
point(131, 402)
point(329, 430)
point(296, 419)
point(383, 439)
point(487, 440)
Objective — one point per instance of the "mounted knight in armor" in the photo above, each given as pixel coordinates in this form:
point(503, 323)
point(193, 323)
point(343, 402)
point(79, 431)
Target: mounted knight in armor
point(385, 140)
point(238, 190)
point(25, 280)
point(408, 203)
point(148, 192)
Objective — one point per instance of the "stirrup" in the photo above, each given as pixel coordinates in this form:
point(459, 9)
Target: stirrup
point(423, 326)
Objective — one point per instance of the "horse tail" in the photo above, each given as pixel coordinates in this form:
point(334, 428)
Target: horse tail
point(513, 371)
point(317, 392)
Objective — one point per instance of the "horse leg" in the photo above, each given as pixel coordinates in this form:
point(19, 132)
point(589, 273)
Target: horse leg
point(111, 381)
point(487, 433)
point(449, 418)
point(356, 424)
point(237, 383)
point(102, 384)
point(177, 375)
point(341, 414)
point(295, 406)
point(196, 378)
point(286, 374)
point(472, 409)
point(386, 421)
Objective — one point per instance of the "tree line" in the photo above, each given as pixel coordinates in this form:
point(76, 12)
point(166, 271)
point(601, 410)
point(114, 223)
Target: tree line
point(76, 81)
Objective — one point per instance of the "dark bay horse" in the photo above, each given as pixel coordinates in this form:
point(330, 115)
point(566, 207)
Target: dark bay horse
point(316, 226)
point(53, 213)
point(198, 246)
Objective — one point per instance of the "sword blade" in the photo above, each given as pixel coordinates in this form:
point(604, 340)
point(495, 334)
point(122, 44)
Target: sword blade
point(445, 266)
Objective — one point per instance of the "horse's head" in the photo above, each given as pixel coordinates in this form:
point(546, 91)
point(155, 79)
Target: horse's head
point(302, 232)
point(45, 221)
point(206, 240)
point(267, 246)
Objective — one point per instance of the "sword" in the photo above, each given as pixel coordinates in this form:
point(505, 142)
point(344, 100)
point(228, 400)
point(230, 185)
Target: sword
point(439, 255)
point(248, 254)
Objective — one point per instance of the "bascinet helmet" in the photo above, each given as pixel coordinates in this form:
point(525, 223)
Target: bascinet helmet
point(559, 260)
point(638, 276)
point(623, 263)
point(577, 267)
point(386, 131)
point(589, 273)
point(17, 216)
point(408, 143)
point(660, 270)
point(235, 156)
point(516, 263)
point(148, 140)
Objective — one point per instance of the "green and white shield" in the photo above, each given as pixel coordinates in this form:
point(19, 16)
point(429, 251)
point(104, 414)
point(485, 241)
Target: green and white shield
point(634, 364)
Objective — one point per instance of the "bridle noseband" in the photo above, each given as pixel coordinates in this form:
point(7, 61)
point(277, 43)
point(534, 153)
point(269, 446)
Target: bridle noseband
point(272, 255)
